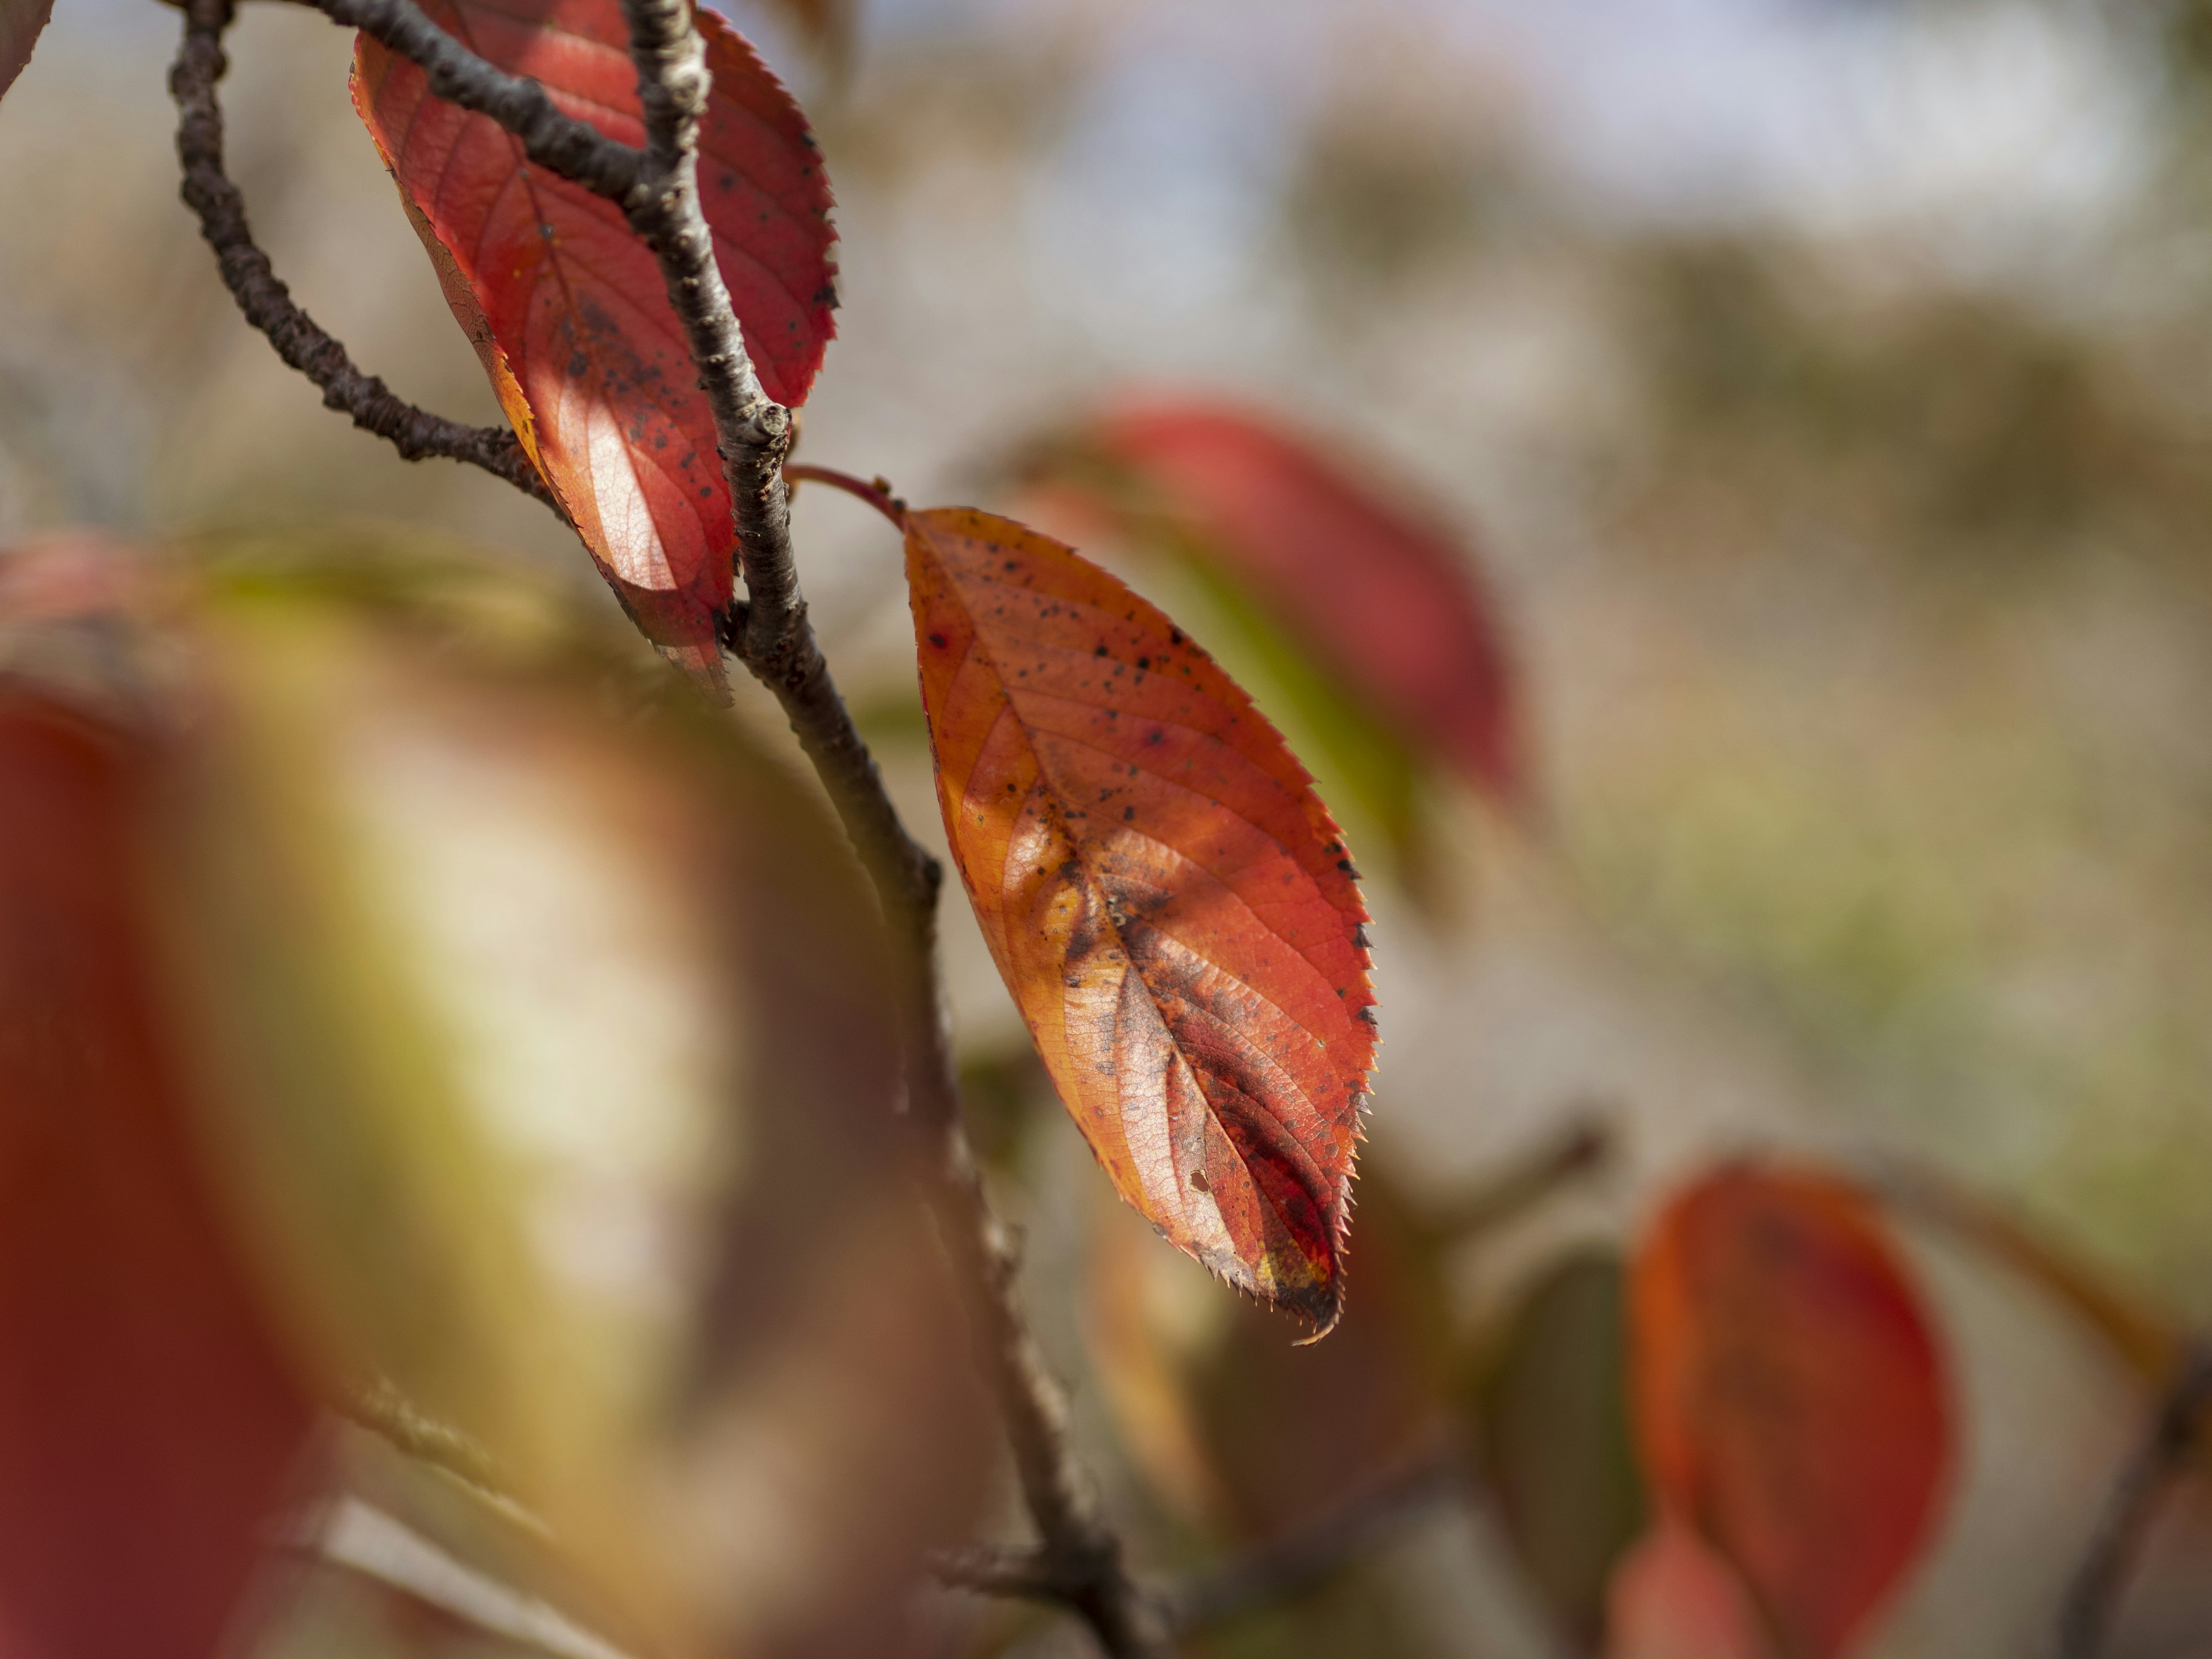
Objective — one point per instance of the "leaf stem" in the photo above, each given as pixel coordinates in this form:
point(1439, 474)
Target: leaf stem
point(877, 494)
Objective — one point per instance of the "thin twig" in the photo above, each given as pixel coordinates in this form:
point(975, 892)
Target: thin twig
point(769, 632)
point(268, 304)
point(2092, 1599)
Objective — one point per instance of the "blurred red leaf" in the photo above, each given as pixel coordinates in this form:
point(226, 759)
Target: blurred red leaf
point(567, 306)
point(1790, 1401)
point(1390, 602)
point(1672, 1598)
point(147, 1418)
point(1170, 902)
point(20, 21)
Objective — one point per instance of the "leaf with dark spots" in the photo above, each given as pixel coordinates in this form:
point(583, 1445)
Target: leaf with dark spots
point(21, 24)
point(567, 307)
point(1190, 967)
point(1791, 1402)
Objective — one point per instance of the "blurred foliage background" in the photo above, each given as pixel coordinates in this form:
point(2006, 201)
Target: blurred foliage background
point(1824, 384)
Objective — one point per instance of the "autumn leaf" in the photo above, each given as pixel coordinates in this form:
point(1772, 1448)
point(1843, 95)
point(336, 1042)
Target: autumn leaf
point(20, 22)
point(148, 1412)
point(1170, 902)
point(1790, 1401)
point(1391, 603)
point(567, 307)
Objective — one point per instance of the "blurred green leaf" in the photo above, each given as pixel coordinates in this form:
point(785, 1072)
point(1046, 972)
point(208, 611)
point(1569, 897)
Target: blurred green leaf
point(1550, 1415)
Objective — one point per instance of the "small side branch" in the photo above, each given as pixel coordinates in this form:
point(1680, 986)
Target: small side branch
point(268, 304)
point(2092, 1600)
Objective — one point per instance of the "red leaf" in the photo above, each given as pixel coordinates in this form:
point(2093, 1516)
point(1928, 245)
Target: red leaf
point(146, 1419)
point(1170, 904)
point(20, 22)
point(1390, 602)
point(1672, 1598)
point(567, 308)
point(1790, 1401)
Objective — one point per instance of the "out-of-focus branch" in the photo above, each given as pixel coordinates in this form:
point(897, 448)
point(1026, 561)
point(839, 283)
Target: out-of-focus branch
point(384, 1412)
point(2092, 1600)
point(769, 632)
point(1581, 1149)
point(1301, 1559)
point(2143, 1335)
point(1269, 1574)
point(268, 304)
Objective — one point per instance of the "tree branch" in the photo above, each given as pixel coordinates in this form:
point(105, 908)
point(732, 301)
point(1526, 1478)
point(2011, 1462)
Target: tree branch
point(268, 304)
point(2092, 1599)
point(754, 432)
point(769, 632)
point(777, 642)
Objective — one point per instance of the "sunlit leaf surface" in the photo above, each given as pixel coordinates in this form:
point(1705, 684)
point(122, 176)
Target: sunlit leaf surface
point(1172, 907)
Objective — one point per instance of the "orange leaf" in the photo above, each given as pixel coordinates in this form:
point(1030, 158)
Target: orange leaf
point(1170, 902)
point(1791, 1400)
point(567, 306)
point(147, 1416)
point(1388, 601)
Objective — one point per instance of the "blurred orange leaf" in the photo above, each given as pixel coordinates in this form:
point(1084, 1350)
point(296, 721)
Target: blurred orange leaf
point(1672, 1598)
point(1790, 1401)
point(1392, 603)
point(20, 22)
point(567, 306)
point(147, 1415)
point(1170, 902)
